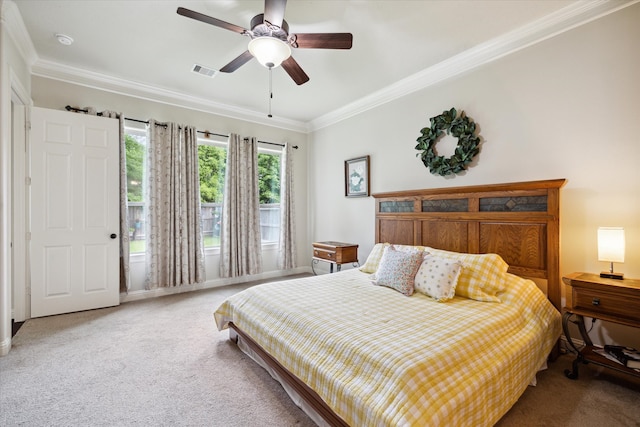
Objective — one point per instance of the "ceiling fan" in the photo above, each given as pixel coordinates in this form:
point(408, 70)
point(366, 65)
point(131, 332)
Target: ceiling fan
point(271, 42)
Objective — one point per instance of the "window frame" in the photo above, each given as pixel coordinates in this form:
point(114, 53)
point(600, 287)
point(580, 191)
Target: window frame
point(215, 141)
point(141, 129)
point(276, 152)
point(132, 127)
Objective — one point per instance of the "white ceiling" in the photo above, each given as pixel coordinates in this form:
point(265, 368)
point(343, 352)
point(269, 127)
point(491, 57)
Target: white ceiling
point(145, 47)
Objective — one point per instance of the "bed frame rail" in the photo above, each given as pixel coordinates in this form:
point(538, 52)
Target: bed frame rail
point(300, 388)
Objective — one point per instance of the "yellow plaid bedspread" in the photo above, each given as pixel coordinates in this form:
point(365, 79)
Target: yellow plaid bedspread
point(379, 358)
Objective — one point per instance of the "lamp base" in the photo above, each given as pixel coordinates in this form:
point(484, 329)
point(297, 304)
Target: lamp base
point(612, 275)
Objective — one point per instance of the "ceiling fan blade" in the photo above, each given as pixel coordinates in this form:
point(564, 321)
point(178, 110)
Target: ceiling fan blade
point(274, 11)
point(237, 63)
point(322, 40)
point(209, 20)
point(295, 71)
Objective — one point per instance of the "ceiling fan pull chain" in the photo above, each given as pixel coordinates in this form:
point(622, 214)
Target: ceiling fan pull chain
point(270, 90)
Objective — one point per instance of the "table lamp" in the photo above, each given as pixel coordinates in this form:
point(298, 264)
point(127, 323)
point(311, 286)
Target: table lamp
point(611, 249)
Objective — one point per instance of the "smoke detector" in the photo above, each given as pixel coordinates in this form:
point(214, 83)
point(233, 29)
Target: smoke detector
point(64, 39)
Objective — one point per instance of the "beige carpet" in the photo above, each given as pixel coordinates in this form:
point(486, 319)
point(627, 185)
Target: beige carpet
point(162, 362)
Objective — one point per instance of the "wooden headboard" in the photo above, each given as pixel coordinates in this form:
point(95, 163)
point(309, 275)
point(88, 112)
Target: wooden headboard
point(519, 221)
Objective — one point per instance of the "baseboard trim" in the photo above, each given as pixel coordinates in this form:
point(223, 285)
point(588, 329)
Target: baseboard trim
point(209, 284)
point(566, 348)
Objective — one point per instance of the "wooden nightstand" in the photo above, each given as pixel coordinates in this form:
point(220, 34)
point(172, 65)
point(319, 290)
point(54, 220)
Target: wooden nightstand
point(337, 253)
point(616, 301)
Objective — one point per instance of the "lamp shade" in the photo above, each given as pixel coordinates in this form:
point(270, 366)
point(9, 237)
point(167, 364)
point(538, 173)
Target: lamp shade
point(611, 244)
point(269, 51)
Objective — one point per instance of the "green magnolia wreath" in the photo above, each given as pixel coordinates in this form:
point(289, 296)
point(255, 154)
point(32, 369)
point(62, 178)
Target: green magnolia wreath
point(462, 128)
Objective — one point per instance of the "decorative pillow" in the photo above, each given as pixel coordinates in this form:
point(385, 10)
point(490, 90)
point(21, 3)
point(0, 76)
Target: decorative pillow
point(437, 277)
point(397, 269)
point(373, 260)
point(483, 275)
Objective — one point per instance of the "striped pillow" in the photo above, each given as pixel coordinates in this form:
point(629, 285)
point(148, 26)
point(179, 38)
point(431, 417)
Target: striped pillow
point(373, 260)
point(483, 275)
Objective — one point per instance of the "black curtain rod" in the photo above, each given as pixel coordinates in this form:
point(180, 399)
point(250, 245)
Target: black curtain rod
point(204, 132)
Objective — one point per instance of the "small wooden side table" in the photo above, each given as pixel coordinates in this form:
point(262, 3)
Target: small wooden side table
point(612, 300)
point(337, 253)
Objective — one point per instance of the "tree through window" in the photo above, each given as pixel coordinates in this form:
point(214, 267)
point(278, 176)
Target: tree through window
point(212, 158)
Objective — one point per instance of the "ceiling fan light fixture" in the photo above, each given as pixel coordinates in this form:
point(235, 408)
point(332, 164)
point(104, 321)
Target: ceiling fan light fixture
point(269, 51)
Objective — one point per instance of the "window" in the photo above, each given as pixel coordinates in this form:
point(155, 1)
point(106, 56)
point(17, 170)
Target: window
point(269, 188)
point(135, 145)
point(212, 156)
point(212, 159)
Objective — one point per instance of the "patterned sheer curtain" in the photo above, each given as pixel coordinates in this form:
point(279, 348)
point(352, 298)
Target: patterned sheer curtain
point(124, 201)
point(124, 206)
point(240, 245)
point(174, 239)
point(287, 245)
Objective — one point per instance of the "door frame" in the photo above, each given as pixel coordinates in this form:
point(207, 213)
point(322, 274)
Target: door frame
point(21, 125)
point(12, 93)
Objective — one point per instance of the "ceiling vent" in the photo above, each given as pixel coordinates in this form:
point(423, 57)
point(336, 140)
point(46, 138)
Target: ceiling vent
point(203, 70)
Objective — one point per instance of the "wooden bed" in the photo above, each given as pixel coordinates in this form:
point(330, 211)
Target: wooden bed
point(518, 221)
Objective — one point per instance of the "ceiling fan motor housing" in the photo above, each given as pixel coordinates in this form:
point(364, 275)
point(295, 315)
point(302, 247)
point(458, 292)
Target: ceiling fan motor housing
point(262, 28)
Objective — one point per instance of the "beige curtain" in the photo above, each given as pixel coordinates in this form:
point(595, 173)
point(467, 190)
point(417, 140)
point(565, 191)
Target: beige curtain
point(240, 245)
point(287, 245)
point(174, 252)
point(124, 202)
point(124, 206)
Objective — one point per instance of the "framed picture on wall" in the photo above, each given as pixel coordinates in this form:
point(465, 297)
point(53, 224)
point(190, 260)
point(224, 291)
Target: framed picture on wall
point(356, 177)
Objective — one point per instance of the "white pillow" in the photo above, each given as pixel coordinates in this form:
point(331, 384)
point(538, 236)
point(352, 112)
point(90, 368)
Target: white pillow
point(437, 277)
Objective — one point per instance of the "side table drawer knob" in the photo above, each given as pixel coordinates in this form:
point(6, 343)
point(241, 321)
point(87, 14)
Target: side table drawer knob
point(595, 301)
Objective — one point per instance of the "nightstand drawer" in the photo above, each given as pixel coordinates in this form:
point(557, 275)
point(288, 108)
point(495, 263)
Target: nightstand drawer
point(324, 254)
point(603, 302)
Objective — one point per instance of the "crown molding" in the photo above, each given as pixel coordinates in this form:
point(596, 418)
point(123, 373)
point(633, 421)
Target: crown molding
point(57, 71)
point(563, 20)
point(549, 26)
point(11, 19)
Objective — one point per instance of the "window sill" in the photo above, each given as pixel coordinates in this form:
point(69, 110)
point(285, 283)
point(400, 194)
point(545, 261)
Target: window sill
point(267, 247)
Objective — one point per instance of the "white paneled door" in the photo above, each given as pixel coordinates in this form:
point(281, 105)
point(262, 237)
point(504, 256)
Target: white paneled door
point(74, 212)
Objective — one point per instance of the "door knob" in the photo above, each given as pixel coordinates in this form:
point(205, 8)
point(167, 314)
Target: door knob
point(113, 235)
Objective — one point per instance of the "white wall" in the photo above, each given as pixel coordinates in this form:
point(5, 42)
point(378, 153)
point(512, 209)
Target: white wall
point(48, 93)
point(564, 108)
point(568, 107)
